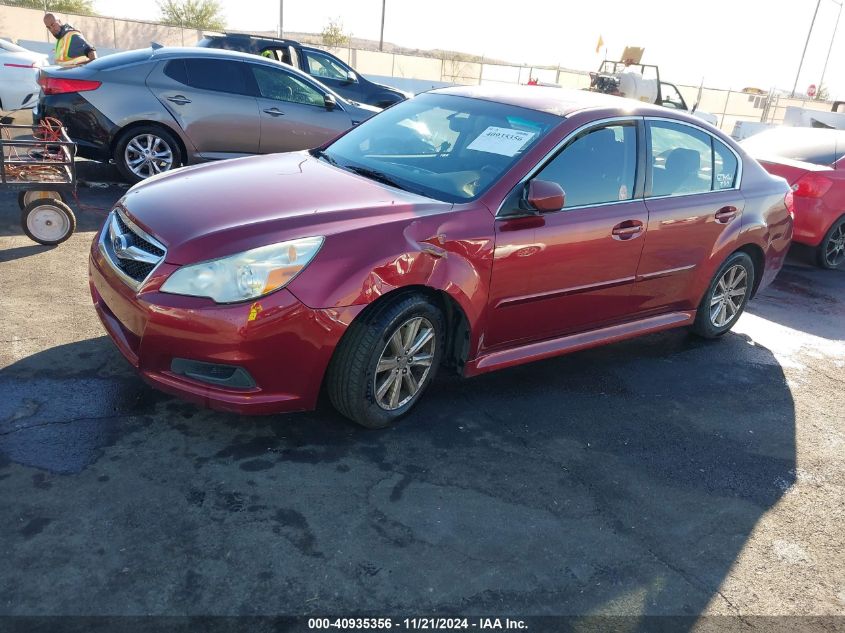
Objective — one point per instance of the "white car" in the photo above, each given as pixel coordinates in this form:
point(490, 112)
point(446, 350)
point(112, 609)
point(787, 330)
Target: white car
point(19, 76)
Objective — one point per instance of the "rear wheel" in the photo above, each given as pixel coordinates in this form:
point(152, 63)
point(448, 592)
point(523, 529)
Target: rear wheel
point(48, 221)
point(386, 361)
point(726, 297)
point(831, 252)
point(146, 151)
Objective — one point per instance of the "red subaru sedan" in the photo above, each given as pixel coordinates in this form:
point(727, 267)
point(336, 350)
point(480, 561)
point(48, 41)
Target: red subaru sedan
point(813, 161)
point(472, 228)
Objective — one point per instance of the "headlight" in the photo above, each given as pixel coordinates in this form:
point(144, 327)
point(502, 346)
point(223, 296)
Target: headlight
point(247, 275)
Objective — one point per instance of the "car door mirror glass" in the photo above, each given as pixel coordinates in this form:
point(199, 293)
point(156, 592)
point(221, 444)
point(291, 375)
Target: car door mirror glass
point(330, 101)
point(351, 77)
point(545, 196)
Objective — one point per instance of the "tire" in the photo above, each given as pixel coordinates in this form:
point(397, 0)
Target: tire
point(48, 221)
point(148, 137)
point(24, 197)
point(714, 319)
point(830, 254)
point(353, 378)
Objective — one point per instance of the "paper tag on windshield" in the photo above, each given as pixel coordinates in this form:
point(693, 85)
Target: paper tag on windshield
point(501, 140)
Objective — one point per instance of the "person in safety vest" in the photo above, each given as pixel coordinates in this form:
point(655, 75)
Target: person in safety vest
point(72, 49)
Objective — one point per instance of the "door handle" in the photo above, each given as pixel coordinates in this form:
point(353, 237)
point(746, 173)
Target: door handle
point(179, 100)
point(274, 112)
point(725, 214)
point(627, 230)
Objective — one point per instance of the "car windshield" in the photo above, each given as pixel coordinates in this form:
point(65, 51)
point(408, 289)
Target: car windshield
point(445, 147)
point(820, 147)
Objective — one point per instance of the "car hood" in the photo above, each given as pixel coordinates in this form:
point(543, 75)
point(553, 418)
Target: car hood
point(218, 209)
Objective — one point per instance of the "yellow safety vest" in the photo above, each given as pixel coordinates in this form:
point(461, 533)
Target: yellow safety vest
point(62, 57)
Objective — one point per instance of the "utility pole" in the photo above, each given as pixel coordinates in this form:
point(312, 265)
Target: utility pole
point(810, 32)
point(381, 38)
point(830, 48)
point(281, 17)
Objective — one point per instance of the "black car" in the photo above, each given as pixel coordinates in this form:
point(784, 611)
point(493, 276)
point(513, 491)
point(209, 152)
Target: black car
point(318, 63)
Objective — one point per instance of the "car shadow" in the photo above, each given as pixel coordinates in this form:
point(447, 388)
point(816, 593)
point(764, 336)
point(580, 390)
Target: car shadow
point(805, 298)
point(621, 480)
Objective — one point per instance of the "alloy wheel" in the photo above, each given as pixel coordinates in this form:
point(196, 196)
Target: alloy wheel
point(834, 249)
point(728, 296)
point(147, 155)
point(404, 364)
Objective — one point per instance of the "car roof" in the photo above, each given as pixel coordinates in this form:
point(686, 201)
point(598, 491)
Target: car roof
point(805, 134)
point(558, 101)
point(250, 36)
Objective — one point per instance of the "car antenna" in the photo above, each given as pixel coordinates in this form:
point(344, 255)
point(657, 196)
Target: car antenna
point(155, 46)
point(698, 98)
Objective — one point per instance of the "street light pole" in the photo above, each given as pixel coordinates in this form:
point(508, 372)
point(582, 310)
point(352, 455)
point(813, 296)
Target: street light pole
point(281, 17)
point(381, 37)
point(830, 48)
point(810, 32)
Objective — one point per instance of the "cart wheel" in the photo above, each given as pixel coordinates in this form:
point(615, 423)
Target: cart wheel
point(48, 221)
point(25, 197)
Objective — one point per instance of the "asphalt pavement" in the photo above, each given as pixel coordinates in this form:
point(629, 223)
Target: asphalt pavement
point(661, 476)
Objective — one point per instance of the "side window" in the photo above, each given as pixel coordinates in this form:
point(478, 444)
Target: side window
point(219, 75)
point(671, 97)
point(278, 54)
point(175, 69)
point(681, 159)
point(724, 166)
point(597, 167)
point(324, 66)
point(282, 86)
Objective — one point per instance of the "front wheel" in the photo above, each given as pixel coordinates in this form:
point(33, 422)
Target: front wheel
point(831, 252)
point(48, 221)
point(726, 297)
point(386, 361)
point(146, 151)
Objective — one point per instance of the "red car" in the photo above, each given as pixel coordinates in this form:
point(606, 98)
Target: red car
point(813, 162)
point(472, 228)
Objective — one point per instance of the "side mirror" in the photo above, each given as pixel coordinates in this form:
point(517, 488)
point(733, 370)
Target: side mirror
point(545, 195)
point(330, 102)
point(351, 77)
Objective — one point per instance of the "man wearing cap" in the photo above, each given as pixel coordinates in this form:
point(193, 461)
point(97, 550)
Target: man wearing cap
point(71, 47)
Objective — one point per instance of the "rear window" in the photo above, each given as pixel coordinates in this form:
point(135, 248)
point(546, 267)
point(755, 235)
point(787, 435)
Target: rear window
point(219, 75)
point(120, 59)
point(808, 145)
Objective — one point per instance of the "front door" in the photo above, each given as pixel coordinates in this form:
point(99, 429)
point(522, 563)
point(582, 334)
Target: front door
point(332, 72)
point(211, 101)
point(572, 270)
point(293, 112)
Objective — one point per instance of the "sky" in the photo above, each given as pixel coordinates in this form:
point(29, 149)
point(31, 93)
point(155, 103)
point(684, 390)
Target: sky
point(727, 43)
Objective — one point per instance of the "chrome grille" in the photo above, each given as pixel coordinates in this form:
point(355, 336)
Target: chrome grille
point(131, 252)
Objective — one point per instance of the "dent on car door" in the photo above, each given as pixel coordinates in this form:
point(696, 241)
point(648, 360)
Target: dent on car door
point(293, 112)
point(572, 270)
point(211, 100)
point(695, 208)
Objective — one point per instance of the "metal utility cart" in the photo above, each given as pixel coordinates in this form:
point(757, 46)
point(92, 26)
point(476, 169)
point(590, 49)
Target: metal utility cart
point(38, 161)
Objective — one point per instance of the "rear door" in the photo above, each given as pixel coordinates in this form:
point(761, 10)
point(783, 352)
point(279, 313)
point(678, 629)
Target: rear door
point(212, 101)
point(694, 208)
point(293, 111)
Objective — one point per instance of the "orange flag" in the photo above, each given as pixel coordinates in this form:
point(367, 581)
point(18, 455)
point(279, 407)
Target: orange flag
point(599, 44)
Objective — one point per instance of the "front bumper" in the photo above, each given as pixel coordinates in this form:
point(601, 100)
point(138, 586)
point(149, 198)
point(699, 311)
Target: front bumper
point(282, 344)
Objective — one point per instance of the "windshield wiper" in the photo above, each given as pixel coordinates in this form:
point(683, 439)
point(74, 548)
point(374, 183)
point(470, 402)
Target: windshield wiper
point(319, 153)
point(378, 176)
